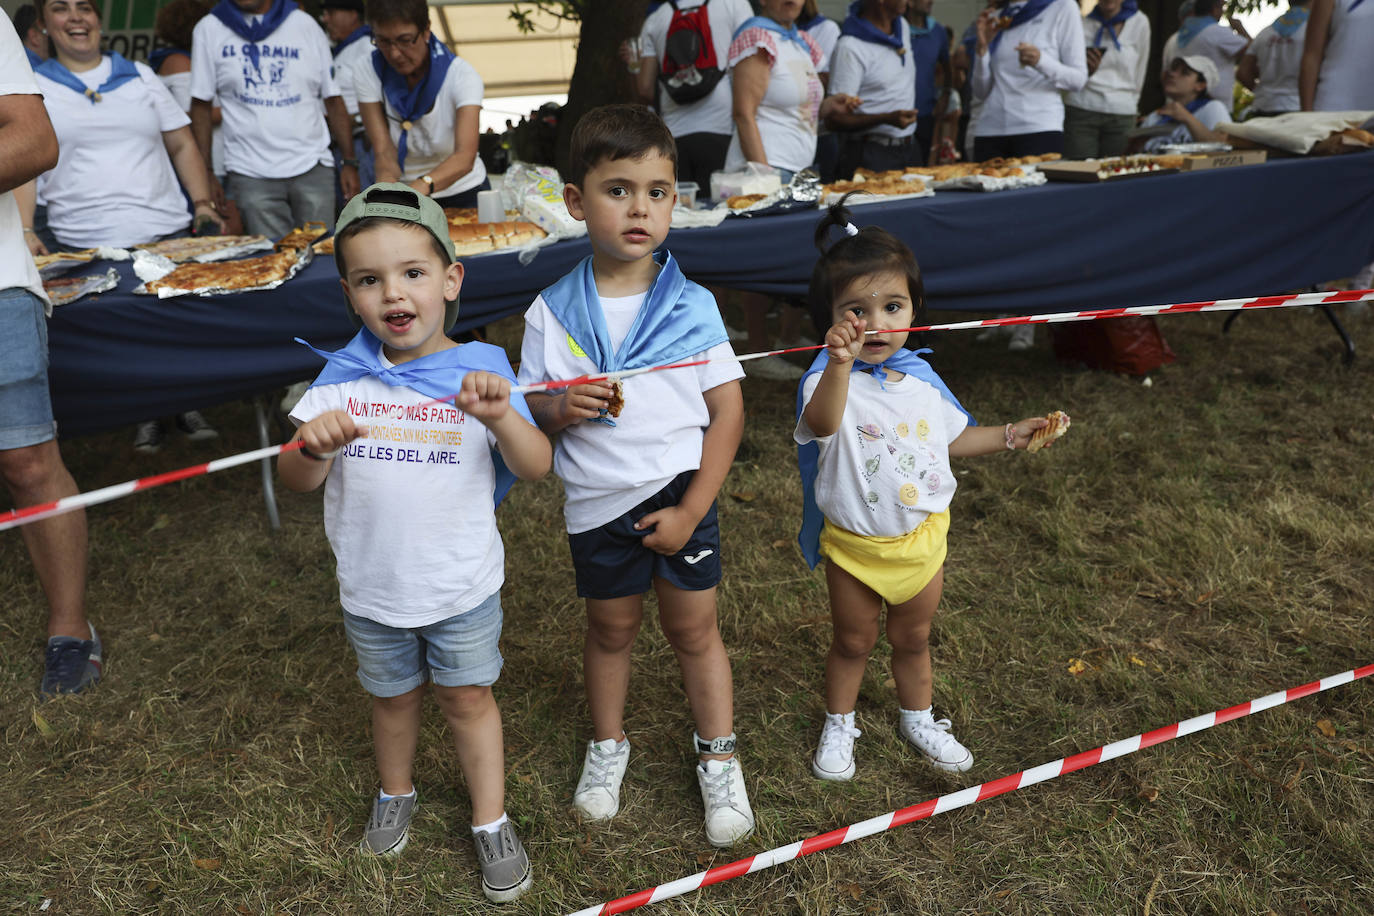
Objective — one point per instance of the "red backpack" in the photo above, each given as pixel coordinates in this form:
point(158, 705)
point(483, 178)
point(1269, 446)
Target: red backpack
point(690, 68)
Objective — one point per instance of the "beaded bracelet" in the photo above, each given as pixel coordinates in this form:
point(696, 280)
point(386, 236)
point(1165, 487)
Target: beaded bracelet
point(1011, 438)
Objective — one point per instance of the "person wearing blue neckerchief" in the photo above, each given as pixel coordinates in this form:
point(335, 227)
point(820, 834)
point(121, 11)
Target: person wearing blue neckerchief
point(642, 466)
point(1201, 33)
point(421, 106)
point(415, 439)
point(1189, 107)
point(873, 62)
point(876, 428)
point(266, 63)
point(1099, 117)
point(344, 24)
point(934, 72)
point(1270, 66)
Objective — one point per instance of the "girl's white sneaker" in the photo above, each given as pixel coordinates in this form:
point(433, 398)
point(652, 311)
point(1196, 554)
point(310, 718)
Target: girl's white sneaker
point(932, 737)
point(834, 758)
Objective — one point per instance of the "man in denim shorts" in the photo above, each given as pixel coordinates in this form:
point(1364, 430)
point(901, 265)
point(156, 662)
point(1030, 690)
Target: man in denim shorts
point(30, 462)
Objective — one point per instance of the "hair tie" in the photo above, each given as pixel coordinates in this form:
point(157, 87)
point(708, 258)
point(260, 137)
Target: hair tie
point(850, 229)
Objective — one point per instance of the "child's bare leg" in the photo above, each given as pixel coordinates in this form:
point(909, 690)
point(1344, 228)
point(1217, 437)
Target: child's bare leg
point(854, 612)
point(689, 621)
point(395, 730)
point(475, 722)
point(908, 629)
point(612, 625)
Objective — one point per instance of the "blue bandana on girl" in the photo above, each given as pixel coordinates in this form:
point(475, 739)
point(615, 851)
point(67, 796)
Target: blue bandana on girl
point(909, 362)
point(678, 318)
point(237, 22)
point(1293, 19)
point(121, 71)
point(1023, 15)
point(1191, 28)
point(1128, 9)
point(411, 104)
point(792, 34)
point(438, 375)
point(361, 32)
point(862, 29)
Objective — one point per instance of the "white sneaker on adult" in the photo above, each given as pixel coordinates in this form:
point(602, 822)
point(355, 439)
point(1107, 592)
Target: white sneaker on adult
point(932, 737)
point(729, 818)
point(1022, 338)
point(597, 797)
point(834, 758)
point(773, 367)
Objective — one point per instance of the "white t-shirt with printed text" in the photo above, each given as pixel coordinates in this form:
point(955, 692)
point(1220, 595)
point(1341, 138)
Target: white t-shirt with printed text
point(1279, 60)
point(273, 114)
point(431, 139)
point(887, 466)
point(606, 471)
point(710, 115)
point(408, 510)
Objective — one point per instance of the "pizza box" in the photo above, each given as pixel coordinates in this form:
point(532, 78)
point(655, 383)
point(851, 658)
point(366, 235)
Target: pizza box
point(1222, 160)
point(1086, 170)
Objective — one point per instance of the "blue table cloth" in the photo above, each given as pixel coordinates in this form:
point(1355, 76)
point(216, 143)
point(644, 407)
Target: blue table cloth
point(1252, 230)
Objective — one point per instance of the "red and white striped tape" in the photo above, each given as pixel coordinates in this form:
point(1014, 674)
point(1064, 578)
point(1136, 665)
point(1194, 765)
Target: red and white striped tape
point(963, 797)
point(16, 517)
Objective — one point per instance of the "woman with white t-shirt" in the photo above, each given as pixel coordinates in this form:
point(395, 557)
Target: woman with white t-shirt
point(1098, 117)
point(420, 106)
point(1025, 56)
point(1338, 57)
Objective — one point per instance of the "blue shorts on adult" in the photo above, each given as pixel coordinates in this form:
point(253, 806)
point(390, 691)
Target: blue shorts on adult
point(25, 405)
point(458, 651)
point(612, 561)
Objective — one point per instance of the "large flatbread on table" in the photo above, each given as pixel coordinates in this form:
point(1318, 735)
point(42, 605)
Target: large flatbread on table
point(249, 273)
point(189, 249)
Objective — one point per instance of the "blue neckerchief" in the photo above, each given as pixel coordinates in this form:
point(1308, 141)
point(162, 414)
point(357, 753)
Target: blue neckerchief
point(678, 318)
point(862, 29)
point(918, 32)
point(158, 56)
point(121, 71)
point(808, 455)
point(1128, 9)
point(1294, 18)
point(412, 104)
point(1024, 14)
point(362, 31)
point(34, 59)
point(1192, 27)
point(237, 22)
point(1192, 107)
point(438, 375)
point(1353, 5)
point(793, 34)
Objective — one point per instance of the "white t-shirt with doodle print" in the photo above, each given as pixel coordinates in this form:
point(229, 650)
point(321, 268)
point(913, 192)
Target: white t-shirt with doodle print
point(887, 467)
point(408, 509)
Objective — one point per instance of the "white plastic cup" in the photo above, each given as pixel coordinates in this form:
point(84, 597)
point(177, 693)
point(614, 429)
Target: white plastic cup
point(490, 209)
point(634, 47)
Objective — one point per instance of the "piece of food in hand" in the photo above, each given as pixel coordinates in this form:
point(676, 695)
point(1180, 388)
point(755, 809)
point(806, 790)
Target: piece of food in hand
point(616, 403)
point(1058, 426)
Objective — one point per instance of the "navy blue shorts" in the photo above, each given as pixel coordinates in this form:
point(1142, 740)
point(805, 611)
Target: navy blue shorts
point(612, 561)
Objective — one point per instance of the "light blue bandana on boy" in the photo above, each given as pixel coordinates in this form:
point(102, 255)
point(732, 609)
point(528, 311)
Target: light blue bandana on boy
point(438, 375)
point(908, 362)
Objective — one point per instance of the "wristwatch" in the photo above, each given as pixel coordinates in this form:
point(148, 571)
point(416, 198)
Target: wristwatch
point(429, 181)
point(352, 162)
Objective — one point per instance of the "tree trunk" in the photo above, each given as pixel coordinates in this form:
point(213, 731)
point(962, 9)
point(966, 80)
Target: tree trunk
point(599, 76)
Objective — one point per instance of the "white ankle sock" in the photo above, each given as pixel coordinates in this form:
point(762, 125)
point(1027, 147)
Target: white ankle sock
point(382, 796)
point(915, 716)
point(492, 827)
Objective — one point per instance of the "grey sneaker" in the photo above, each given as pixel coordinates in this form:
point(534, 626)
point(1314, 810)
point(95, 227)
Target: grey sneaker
point(194, 426)
point(506, 872)
point(148, 438)
point(70, 665)
point(388, 830)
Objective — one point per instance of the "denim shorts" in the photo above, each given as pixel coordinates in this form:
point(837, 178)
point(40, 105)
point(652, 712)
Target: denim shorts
point(612, 561)
point(25, 404)
point(459, 651)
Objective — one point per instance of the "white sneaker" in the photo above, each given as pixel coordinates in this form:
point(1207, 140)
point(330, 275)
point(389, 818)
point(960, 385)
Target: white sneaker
point(834, 757)
point(932, 737)
point(773, 367)
point(1022, 338)
point(729, 818)
point(597, 797)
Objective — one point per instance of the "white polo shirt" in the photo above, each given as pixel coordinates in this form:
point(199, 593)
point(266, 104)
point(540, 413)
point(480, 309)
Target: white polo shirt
point(1279, 60)
point(17, 270)
point(710, 115)
point(884, 79)
point(1115, 87)
point(430, 140)
point(273, 114)
point(1026, 100)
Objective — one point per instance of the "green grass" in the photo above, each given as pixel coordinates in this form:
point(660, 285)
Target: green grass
point(1196, 544)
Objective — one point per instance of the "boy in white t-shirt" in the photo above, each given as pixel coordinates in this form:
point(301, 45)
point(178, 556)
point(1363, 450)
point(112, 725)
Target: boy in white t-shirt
point(420, 562)
point(641, 467)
